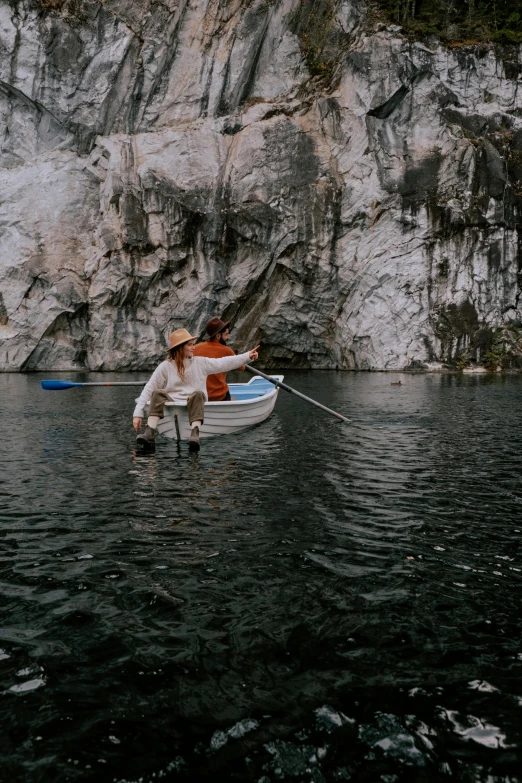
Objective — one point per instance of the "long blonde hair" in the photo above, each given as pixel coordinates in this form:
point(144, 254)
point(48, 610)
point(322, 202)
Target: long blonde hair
point(176, 355)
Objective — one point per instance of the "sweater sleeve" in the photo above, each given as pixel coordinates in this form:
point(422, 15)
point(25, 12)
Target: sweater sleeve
point(157, 381)
point(226, 364)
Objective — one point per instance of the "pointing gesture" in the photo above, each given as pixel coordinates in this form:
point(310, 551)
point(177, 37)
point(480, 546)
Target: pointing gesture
point(253, 353)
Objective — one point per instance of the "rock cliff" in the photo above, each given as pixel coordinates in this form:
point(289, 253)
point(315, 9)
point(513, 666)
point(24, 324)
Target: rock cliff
point(349, 197)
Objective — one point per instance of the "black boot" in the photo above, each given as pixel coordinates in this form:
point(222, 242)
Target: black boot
point(147, 438)
point(193, 441)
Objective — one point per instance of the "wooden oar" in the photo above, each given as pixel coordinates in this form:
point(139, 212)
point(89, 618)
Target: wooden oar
point(60, 385)
point(294, 391)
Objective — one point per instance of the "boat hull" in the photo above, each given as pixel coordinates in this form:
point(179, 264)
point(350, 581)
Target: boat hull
point(253, 404)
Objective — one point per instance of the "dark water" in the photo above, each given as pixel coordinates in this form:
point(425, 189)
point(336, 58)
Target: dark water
point(306, 601)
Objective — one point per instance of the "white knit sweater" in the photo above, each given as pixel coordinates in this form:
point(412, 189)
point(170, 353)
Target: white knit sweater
point(167, 378)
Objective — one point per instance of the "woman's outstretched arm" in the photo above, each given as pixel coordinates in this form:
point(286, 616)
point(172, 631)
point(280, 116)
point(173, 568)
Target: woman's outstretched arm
point(227, 363)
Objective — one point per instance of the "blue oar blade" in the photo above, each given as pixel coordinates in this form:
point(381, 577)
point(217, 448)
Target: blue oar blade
point(58, 385)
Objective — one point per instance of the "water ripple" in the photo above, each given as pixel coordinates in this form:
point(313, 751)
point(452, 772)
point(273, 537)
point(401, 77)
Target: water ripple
point(306, 600)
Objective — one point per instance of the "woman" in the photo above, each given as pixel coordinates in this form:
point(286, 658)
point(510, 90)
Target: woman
point(182, 378)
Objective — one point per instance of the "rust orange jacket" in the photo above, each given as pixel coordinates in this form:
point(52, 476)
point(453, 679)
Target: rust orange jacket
point(216, 384)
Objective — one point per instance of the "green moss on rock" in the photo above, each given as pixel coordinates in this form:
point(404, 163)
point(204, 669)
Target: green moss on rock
point(314, 24)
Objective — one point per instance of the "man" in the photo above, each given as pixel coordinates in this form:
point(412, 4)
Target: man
point(216, 347)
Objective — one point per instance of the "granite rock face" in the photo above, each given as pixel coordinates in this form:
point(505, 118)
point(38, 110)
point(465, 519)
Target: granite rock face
point(348, 197)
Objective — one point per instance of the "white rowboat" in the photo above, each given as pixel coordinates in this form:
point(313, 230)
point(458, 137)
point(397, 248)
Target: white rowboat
point(254, 402)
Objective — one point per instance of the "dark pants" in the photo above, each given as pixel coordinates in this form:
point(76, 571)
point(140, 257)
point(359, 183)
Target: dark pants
point(195, 405)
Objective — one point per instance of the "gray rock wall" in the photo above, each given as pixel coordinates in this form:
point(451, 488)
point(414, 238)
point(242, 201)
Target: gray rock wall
point(164, 162)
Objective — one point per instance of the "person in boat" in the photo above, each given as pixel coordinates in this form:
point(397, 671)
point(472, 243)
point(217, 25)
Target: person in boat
point(215, 347)
point(182, 378)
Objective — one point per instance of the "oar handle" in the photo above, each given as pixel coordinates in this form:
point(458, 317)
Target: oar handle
point(297, 393)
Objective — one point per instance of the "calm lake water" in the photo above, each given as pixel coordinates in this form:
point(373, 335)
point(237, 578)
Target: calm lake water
point(307, 601)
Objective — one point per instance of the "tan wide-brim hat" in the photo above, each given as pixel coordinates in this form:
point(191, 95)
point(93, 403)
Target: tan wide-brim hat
point(180, 336)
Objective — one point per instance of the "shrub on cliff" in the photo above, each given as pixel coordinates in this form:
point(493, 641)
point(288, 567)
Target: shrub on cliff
point(457, 21)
